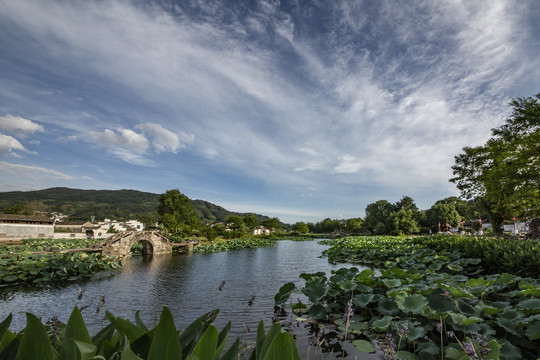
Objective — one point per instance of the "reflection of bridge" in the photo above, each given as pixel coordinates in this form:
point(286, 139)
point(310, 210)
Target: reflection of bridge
point(154, 243)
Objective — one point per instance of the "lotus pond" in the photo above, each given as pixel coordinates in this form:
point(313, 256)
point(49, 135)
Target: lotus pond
point(427, 297)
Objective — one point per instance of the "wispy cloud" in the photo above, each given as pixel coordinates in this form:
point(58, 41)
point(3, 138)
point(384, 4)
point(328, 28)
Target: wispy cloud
point(329, 95)
point(32, 172)
point(19, 125)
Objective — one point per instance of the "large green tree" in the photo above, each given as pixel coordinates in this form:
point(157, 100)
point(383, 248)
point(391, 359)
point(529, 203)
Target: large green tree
point(177, 214)
point(504, 172)
point(377, 219)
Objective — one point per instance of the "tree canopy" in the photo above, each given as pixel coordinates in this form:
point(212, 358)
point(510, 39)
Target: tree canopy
point(505, 171)
point(177, 213)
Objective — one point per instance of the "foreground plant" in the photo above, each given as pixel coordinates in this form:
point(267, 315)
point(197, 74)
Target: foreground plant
point(123, 340)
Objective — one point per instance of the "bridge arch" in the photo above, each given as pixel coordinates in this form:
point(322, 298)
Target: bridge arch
point(121, 243)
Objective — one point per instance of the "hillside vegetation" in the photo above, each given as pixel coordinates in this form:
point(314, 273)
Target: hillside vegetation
point(114, 204)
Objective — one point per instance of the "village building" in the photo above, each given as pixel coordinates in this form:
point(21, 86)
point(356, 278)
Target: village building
point(14, 227)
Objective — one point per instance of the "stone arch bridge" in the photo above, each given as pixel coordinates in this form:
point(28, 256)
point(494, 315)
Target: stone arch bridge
point(153, 242)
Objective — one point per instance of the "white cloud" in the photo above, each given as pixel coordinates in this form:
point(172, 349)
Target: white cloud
point(347, 165)
point(164, 140)
point(32, 172)
point(8, 144)
point(122, 139)
point(10, 123)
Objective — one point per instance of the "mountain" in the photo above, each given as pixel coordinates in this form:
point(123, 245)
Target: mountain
point(112, 204)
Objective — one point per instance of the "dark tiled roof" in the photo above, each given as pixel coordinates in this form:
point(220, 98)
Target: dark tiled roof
point(25, 218)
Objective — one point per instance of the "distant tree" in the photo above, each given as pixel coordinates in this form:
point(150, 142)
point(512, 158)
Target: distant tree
point(504, 171)
point(147, 219)
point(464, 208)
point(33, 208)
point(404, 222)
point(251, 221)
point(377, 220)
point(235, 222)
point(404, 218)
point(177, 214)
point(354, 225)
point(301, 228)
point(272, 223)
point(442, 214)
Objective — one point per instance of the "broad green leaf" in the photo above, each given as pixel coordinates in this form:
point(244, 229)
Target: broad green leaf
point(282, 347)
point(133, 332)
point(222, 338)
point(452, 353)
point(347, 285)
point(274, 331)
point(232, 352)
point(4, 325)
point(317, 311)
point(6, 340)
point(509, 351)
point(128, 354)
point(363, 346)
point(387, 306)
point(391, 283)
point(104, 334)
point(440, 303)
point(362, 300)
point(86, 350)
point(315, 292)
point(533, 330)
point(413, 303)
point(406, 355)
point(166, 344)
point(530, 306)
point(194, 330)
point(463, 320)
point(495, 349)
point(428, 350)
point(381, 324)
point(283, 294)
point(207, 345)
point(75, 330)
point(509, 326)
point(35, 342)
point(139, 322)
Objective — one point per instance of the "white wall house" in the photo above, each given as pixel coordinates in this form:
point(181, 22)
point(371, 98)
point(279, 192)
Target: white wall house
point(25, 227)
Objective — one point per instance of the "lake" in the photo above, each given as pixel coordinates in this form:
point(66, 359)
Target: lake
point(188, 284)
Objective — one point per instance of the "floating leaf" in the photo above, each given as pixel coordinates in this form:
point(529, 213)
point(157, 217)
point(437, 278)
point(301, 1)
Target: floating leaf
point(391, 283)
point(413, 303)
point(363, 346)
point(533, 330)
point(381, 324)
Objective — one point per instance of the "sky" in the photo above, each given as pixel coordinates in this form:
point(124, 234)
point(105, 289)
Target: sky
point(300, 110)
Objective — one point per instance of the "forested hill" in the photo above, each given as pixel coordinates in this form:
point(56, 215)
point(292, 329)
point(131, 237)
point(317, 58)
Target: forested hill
point(112, 204)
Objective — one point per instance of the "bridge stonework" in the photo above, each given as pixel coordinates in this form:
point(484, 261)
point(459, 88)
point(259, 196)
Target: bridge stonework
point(121, 243)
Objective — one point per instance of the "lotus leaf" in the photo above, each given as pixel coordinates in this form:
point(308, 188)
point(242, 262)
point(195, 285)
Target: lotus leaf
point(363, 346)
point(413, 303)
point(381, 324)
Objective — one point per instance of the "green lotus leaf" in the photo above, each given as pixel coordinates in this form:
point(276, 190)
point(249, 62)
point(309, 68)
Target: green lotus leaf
point(509, 326)
point(533, 330)
point(454, 267)
point(463, 320)
point(317, 311)
point(406, 355)
point(441, 303)
point(387, 306)
point(530, 306)
point(347, 285)
point(10, 278)
point(315, 292)
point(381, 324)
point(364, 346)
point(391, 283)
point(362, 300)
point(412, 303)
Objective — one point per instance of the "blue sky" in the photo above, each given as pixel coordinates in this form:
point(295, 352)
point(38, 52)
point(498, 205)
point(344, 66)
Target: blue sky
point(297, 109)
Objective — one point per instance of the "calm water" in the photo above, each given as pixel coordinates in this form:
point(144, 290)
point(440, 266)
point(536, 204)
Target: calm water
point(187, 284)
